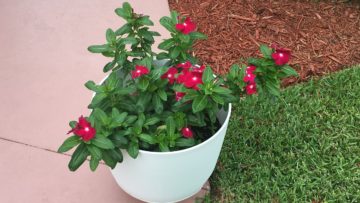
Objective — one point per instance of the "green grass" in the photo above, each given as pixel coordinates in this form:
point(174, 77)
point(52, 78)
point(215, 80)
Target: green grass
point(304, 147)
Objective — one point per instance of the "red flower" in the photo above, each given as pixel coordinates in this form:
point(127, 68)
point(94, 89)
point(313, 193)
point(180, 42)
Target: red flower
point(170, 75)
point(250, 69)
point(179, 95)
point(250, 88)
point(199, 69)
point(187, 132)
point(281, 56)
point(185, 65)
point(83, 129)
point(190, 79)
point(249, 77)
point(186, 27)
point(139, 71)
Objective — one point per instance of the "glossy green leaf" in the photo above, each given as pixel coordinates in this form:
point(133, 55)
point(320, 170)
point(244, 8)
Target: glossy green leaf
point(101, 116)
point(78, 157)
point(199, 103)
point(147, 138)
point(167, 23)
point(175, 52)
point(123, 29)
point(108, 159)
point(69, 143)
point(266, 51)
point(208, 75)
point(110, 36)
point(99, 48)
point(102, 142)
point(166, 44)
point(94, 151)
point(133, 149)
point(162, 94)
point(185, 142)
point(143, 83)
point(170, 126)
point(197, 35)
point(144, 20)
point(109, 66)
point(94, 163)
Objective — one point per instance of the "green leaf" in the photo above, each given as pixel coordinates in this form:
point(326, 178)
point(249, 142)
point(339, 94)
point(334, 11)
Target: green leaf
point(288, 71)
point(129, 40)
point(110, 36)
point(99, 48)
point(143, 83)
point(254, 61)
point(162, 94)
point(123, 29)
point(163, 147)
point(94, 151)
point(125, 90)
point(98, 98)
point(184, 38)
point(116, 154)
point(121, 59)
point(120, 12)
point(158, 106)
point(92, 86)
point(119, 139)
point(175, 52)
point(94, 163)
point(266, 51)
point(151, 121)
point(144, 20)
point(78, 157)
point(72, 124)
point(108, 159)
point(197, 35)
point(185, 142)
point(69, 143)
point(208, 75)
point(127, 8)
point(217, 98)
point(109, 66)
point(170, 126)
point(166, 44)
point(102, 142)
point(167, 23)
point(118, 118)
point(130, 119)
point(221, 90)
point(147, 138)
point(101, 116)
point(174, 17)
point(199, 103)
point(133, 149)
point(162, 55)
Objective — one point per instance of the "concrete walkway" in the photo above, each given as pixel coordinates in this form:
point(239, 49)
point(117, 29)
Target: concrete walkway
point(44, 64)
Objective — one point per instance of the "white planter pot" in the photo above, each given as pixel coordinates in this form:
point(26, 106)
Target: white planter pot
point(171, 176)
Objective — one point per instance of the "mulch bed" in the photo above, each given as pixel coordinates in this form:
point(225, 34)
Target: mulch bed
point(324, 36)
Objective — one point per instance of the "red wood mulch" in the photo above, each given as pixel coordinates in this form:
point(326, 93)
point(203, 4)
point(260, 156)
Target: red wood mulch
point(323, 36)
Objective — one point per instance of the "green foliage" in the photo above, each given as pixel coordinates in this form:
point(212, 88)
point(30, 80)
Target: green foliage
point(143, 112)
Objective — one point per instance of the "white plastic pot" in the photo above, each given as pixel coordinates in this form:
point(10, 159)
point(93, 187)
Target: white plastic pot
point(171, 176)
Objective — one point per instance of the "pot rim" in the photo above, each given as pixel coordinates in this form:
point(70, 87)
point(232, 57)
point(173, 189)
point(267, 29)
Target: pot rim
point(194, 147)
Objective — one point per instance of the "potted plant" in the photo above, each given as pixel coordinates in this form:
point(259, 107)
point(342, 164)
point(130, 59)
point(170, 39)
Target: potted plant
point(159, 120)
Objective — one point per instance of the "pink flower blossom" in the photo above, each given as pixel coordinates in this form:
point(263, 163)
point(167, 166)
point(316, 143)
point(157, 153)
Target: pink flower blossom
point(186, 27)
point(83, 129)
point(179, 95)
point(250, 88)
point(185, 65)
point(199, 69)
point(139, 71)
point(249, 77)
point(170, 75)
point(187, 132)
point(190, 79)
point(250, 69)
point(281, 56)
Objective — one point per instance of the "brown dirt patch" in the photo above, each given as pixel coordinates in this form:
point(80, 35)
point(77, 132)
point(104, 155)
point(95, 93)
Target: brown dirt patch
point(323, 36)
